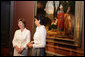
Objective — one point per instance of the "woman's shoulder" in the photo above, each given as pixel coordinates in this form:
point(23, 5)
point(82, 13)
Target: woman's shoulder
point(17, 30)
point(27, 30)
point(42, 28)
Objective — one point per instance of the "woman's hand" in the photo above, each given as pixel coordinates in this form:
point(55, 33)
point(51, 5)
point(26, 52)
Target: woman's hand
point(21, 50)
point(18, 49)
point(30, 45)
point(32, 42)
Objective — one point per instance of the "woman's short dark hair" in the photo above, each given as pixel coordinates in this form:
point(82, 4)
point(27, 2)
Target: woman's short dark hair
point(42, 19)
point(23, 20)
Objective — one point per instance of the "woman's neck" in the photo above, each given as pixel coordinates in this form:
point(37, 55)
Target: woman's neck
point(22, 29)
point(39, 25)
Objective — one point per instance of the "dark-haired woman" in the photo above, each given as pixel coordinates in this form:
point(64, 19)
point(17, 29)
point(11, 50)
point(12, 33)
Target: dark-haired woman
point(39, 42)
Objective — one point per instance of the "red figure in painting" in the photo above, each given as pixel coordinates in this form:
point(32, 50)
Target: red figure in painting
point(60, 16)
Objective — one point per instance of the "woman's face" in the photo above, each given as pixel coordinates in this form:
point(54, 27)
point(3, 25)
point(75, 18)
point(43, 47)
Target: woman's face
point(37, 22)
point(20, 24)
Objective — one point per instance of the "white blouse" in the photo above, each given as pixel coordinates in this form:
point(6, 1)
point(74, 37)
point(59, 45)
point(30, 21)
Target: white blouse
point(21, 39)
point(40, 37)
